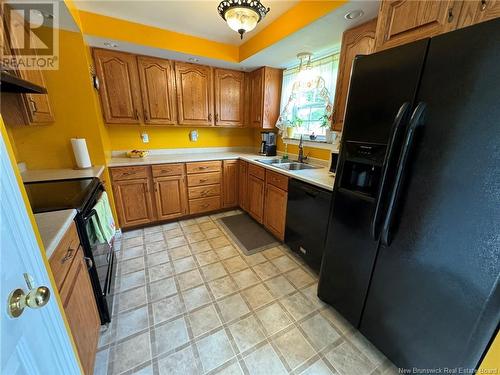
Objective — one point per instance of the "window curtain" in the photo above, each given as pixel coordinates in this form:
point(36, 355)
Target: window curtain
point(325, 67)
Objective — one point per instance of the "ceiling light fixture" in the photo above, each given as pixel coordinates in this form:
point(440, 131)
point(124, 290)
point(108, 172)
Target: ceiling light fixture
point(193, 59)
point(109, 44)
point(354, 14)
point(242, 15)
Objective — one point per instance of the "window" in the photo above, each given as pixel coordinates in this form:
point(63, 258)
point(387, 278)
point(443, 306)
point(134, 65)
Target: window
point(307, 99)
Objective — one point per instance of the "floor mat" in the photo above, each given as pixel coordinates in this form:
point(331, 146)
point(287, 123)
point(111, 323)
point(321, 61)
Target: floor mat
point(250, 236)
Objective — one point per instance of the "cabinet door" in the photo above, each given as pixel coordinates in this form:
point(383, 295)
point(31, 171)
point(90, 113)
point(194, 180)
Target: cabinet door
point(158, 90)
point(195, 100)
point(271, 92)
point(357, 41)
point(256, 97)
point(171, 197)
point(488, 10)
point(119, 86)
point(275, 211)
point(404, 21)
point(256, 198)
point(133, 201)
point(230, 178)
point(81, 311)
point(229, 97)
point(243, 185)
point(35, 107)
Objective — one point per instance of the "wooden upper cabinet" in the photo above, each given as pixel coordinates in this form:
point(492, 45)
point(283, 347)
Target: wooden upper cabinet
point(229, 97)
point(195, 95)
point(359, 40)
point(171, 197)
point(157, 79)
point(119, 86)
point(265, 97)
point(230, 178)
point(30, 109)
point(475, 11)
point(404, 21)
point(256, 90)
point(133, 201)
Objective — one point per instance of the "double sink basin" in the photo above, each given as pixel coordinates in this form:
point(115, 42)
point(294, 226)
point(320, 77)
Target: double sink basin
point(286, 165)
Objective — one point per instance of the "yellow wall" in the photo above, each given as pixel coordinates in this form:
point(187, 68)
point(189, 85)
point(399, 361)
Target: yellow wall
point(492, 359)
point(118, 29)
point(71, 98)
point(126, 137)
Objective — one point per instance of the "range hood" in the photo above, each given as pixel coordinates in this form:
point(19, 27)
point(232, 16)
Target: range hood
point(12, 83)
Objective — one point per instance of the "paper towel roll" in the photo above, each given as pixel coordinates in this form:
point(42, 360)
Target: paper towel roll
point(81, 153)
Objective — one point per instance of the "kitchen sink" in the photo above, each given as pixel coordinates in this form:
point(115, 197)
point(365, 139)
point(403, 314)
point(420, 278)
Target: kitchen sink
point(271, 161)
point(294, 166)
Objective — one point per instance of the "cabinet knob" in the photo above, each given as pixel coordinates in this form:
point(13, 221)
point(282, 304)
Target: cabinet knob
point(33, 105)
point(209, 117)
point(483, 5)
point(450, 15)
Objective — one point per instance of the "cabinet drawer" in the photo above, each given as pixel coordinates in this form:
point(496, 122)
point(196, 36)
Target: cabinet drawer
point(129, 173)
point(62, 257)
point(204, 179)
point(204, 191)
point(167, 170)
point(256, 171)
point(197, 206)
point(204, 166)
point(277, 179)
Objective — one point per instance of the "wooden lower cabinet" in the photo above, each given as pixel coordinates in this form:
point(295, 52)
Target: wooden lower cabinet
point(255, 198)
point(72, 279)
point(243, 185)
point(275, 210)
point(230, 179)
point(171, 197)
point(133, 202)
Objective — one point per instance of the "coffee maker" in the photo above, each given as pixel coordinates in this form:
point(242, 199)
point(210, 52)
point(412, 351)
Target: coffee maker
point(268, 144)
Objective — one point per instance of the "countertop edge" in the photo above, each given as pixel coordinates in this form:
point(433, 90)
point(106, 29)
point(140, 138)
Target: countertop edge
point(303, 175)
point(52, 227)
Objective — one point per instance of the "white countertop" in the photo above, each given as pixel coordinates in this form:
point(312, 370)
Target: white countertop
point(319, 177)
point(33, 175)
point(52, 227)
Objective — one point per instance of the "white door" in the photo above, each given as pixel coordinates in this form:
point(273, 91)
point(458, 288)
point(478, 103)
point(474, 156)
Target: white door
point(37, 341)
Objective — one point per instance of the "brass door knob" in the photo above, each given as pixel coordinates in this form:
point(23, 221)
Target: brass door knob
point(35, 298)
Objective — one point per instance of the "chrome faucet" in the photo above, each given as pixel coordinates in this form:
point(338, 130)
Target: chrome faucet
point(301, 151)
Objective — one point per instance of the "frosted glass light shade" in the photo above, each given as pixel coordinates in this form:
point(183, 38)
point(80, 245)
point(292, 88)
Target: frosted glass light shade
point(242, 19)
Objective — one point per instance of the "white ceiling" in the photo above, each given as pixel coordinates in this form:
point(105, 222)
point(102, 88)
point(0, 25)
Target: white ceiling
point(199, 18)
point(320, 38)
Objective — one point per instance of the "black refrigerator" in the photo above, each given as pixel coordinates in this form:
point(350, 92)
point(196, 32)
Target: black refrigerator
point(412, 255)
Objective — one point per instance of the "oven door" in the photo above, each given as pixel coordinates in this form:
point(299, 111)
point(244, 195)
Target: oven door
point(100, 259)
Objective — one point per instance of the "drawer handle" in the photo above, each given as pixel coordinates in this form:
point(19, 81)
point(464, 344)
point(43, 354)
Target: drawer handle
point(68, 256)
point(206, 205)
point(165, 171)
point(89, 262)
point(202, 168)
point(203, 180)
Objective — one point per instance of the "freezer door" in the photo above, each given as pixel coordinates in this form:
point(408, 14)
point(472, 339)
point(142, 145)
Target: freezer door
point(380, 84)
point(434, 298)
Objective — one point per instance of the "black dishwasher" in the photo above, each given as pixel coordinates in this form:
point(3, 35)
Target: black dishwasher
point(307, 221)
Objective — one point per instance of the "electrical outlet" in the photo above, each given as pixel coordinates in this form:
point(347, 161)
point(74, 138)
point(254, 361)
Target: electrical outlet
point(145, 137)
point(193, 135)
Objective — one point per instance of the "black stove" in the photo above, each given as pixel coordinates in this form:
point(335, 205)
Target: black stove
point(46, 196)
point(81, 195)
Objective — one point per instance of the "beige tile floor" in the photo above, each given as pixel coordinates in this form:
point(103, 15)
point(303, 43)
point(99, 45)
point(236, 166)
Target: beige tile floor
point(188, 301)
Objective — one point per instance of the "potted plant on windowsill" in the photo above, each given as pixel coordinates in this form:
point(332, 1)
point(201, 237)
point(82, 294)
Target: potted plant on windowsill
point(290, 130)
point(326, 123)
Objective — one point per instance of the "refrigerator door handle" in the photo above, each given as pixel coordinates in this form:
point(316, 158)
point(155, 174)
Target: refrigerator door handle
point(398, 123)
point(417, 119)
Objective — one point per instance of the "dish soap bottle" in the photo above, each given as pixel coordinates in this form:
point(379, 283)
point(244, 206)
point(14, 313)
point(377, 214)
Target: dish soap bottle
point(285, 155)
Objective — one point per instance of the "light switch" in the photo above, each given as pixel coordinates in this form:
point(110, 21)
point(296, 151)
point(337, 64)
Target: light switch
point(193, 135)
point(145, 137)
